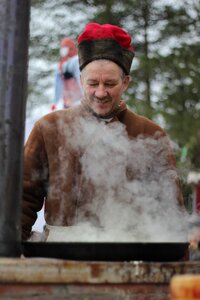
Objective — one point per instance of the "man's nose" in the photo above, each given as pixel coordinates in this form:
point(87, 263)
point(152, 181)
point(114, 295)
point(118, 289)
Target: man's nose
point(101, 92)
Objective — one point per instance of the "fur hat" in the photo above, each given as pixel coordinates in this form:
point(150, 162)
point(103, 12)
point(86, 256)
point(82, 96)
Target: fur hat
point(105, 42)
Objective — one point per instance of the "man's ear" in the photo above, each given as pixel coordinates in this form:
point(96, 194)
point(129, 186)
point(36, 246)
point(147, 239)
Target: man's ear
point(126, 81)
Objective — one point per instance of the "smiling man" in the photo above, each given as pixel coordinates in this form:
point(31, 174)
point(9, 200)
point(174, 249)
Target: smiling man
point(76, 159)
point(104, 83)
point(105, 57)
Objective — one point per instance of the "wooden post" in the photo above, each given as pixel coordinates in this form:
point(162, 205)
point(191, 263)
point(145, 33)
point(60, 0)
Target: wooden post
point(14, 39)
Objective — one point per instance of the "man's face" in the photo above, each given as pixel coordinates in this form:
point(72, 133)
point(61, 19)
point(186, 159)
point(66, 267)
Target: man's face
point(103, 84)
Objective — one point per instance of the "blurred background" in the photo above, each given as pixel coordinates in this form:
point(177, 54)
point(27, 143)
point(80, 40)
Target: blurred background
point(165, 84)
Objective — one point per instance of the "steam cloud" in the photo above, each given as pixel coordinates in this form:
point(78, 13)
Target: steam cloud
point(134, 197)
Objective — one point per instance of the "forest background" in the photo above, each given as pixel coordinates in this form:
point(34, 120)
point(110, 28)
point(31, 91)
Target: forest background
point(165, 84)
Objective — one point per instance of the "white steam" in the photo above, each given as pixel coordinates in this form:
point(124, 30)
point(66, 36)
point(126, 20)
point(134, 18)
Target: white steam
point(134, 196)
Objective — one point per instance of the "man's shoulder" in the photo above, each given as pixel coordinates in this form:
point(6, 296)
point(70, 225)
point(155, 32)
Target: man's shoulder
point(141, 119)
point(139, 124)
point(60, 115)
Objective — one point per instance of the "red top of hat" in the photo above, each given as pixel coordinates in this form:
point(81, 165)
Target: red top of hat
point(95, 31)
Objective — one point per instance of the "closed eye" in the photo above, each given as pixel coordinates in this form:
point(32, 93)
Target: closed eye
point(110, 84)
point(93, 84)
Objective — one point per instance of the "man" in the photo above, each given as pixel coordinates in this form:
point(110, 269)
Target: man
point(85, 160)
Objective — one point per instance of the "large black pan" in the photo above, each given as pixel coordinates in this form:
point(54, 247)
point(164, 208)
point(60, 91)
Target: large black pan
point(87, 251)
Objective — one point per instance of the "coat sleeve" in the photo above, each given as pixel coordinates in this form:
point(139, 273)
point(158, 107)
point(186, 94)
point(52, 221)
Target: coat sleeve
point(172, 162)
point(35, 179)
point(171, 165)
point(167, 152)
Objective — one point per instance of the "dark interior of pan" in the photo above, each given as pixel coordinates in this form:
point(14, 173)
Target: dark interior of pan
point(104, 251)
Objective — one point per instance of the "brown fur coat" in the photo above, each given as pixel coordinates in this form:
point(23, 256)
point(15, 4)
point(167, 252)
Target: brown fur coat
point(54, 171)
